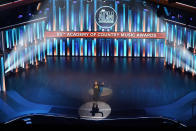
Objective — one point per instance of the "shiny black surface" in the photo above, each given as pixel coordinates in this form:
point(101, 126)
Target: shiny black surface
point(38, 121)
point(134, 87)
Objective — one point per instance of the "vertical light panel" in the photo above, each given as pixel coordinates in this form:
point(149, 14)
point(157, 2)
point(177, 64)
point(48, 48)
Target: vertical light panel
point(68, 48)
point(2, 75)
point(54, 16)
point(60, 20)
point(116, 47)
point(73, 48)
point(81, 47)
point(87, 16)
point(124, 29)
point(67, 19)
point(7, 39)
point(39, 54)
point(64, 47)
point(48, 46)
point(72, 17)
point(116, 29)
point(95, 29)
point(67, 14)
point(130, 48)
point(85, 48)
point(13, 39)
point(138, 30)
point(61, 47)
point(144, 30)
point(81, 19)
point(155, 41)
point(130, 24)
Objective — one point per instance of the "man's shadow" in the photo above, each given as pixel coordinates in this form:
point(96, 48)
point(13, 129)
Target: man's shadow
point(95, 109)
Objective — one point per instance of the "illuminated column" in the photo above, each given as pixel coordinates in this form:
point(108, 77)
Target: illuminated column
point(39, 52)
point(194, 39)
point(73, 25)
point(73, 49)
point(194, 64)
point(54, 15)
point(81, 22)
point(108, 48)
point(2, 88)
point(44, 50)
point(102, 47)
point(124, 29)
point(7, 39)
point(116, 29)
point(155, 41)
point(2, 68)
point(130, 24)
point(176, 35)
point(85, 48)
point(48, 46)
point(61, 47)
point(67, 14)
point(144, 30)
point(185, 40)
point(56, 47)
point(60, 20)
point(95, 29)
point(13, 37)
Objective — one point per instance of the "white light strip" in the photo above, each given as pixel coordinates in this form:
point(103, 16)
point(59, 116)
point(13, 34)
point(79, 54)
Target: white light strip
point(175, 22)
point(11, 3)
point(190, 26)
point(26, 22)
point(186, 5)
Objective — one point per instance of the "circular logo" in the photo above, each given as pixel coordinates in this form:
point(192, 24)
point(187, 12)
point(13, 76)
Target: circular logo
point(106, 17)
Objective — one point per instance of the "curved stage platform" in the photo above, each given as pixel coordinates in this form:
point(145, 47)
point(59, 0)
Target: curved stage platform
point(134, 87)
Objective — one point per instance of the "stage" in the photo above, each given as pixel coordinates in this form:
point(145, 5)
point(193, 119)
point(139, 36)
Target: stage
point(134, 87)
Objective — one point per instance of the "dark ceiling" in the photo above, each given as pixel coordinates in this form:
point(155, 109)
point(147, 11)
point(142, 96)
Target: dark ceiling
point(6, 1)
point(10, 13)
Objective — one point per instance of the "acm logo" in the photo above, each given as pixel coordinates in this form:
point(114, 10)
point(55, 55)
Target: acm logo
point(106, 17)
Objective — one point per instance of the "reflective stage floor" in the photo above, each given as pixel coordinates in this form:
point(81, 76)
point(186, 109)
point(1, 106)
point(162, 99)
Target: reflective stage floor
point(134, 87)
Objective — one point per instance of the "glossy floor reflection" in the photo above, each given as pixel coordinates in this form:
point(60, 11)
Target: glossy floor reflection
point(138, 87)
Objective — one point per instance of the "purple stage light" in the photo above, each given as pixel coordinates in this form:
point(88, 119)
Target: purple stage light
point(145, 10)
point(20, 16)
